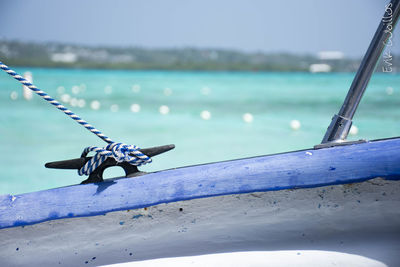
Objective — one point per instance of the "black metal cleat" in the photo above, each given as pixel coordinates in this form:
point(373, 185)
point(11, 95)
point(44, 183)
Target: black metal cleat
point(97, 175)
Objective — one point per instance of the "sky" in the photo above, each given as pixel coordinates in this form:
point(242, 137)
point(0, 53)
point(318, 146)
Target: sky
point(295, 26)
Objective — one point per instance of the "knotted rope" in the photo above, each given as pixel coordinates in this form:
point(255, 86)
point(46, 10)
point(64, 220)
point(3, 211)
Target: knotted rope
point(119, 151)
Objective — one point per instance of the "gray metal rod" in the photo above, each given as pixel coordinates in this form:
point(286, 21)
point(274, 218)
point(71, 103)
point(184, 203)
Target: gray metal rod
point(341, 123)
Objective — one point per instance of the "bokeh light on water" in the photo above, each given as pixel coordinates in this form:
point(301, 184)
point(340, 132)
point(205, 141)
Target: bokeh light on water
point(208, 116)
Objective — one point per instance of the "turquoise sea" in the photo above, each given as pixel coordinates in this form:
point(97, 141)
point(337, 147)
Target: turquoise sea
point(34, 132)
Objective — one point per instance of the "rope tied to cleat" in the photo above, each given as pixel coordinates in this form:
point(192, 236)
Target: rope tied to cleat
point(119, 151)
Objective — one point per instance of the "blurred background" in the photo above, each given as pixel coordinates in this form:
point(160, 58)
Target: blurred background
point(219, 79)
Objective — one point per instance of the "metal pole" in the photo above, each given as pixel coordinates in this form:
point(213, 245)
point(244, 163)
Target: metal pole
point(339, 128)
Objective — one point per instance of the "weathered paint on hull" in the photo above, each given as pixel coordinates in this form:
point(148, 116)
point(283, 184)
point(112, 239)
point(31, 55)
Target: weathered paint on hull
point(361, 219)
point(221, 207)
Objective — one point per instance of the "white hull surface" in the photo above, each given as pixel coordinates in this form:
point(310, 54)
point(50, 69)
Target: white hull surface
point(362, 219)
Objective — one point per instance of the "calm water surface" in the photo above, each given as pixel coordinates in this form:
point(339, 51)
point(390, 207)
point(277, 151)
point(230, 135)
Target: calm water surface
point(34, 132)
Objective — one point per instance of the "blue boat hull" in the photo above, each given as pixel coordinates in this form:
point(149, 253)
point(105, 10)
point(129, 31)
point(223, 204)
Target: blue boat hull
point(125, 214)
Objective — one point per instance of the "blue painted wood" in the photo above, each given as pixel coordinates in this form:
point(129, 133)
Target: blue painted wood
point(300, 169)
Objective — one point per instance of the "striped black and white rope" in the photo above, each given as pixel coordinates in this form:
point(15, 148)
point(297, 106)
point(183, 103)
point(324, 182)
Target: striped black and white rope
point(119, 151)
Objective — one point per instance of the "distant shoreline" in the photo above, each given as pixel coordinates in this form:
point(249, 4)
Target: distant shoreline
point(148, 68)
point(180, 70)
point(66, 56)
